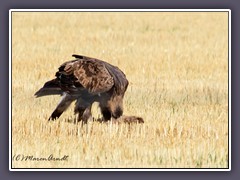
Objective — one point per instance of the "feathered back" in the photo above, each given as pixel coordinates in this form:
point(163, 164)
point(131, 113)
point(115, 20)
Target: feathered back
point(92, 74)
point(112, 75)
point(87, 75)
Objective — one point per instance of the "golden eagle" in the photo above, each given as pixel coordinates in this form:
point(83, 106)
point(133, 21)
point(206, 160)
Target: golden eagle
point(87, 80)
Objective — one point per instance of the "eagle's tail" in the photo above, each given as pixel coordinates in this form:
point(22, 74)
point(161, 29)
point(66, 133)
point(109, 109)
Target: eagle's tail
point(50, 88)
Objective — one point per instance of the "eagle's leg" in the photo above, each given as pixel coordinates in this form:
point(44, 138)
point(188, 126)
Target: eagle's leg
point(62, 106)
point(83, 114)
point(105, 110)
point(106, 113)
point(111, 108)
point(83, 109)
point(86, 114)
point(79, 112)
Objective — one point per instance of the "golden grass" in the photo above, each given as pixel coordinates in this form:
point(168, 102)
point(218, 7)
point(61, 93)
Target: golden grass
point(177, 65)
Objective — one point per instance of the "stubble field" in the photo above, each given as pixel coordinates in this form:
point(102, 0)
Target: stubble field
point(177, 66)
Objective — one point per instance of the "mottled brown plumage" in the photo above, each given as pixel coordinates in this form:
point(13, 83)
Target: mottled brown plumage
point(87, 80)
point(89, 73)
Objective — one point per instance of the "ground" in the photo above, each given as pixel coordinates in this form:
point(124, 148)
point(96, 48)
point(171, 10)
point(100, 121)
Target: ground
point(177, 66)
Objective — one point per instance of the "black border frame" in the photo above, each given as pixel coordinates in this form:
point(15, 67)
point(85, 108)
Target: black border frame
point(234, 5)
point(132, 169)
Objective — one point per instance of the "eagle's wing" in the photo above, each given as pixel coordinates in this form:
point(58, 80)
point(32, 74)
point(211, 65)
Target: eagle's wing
point(86, 72)
point(119, 78)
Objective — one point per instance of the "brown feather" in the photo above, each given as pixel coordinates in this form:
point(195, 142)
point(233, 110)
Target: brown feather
point(91, 74)
point(89, 80)
point(94, 76)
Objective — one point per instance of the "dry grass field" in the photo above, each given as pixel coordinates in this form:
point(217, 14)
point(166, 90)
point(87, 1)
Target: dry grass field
point(177, 66)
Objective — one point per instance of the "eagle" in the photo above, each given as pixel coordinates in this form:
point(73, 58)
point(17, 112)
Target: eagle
point(87, 80)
